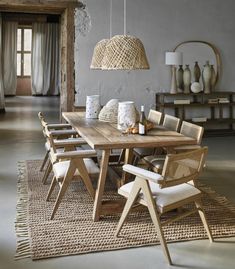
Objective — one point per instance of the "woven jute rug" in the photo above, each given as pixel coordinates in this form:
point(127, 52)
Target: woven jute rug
point(73, 232)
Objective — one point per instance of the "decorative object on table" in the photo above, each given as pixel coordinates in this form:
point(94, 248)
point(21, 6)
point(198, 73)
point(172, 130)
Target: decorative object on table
point(179, 79)
point(187, 79)
point(124, 52)
point(196, 72)
point(196, 87)
point(100, 47)
point(213, 78)
point(173, 59)
point(142, 122)
point(92, 106)
point(126, 115)
point(109, 113)
point(206, 74)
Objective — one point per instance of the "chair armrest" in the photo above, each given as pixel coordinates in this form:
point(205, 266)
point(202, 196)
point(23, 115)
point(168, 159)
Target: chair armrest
point(69, 142)
point(63, 132)
point(58, 126)
point(142, 173)
point(76, 154)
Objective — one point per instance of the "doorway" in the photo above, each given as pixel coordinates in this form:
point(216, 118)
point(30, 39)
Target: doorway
point(24, 46)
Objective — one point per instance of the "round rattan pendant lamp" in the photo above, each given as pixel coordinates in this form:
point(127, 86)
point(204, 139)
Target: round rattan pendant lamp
point(124, 52)
point(99, 50)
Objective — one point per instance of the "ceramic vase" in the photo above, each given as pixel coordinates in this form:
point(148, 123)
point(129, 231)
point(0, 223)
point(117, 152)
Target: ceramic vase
point(206, 74)
point(179, 79)
point(213, 78)
point(126, 115)
point(92, 106)
point(187, 79)
point(196, 72)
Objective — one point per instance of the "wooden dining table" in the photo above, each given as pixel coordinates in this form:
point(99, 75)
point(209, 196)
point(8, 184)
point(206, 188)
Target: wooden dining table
point(105, 136)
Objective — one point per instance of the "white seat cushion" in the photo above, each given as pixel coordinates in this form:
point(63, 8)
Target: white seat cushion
point(144, 151)
point(167, 196)
point(61, 168)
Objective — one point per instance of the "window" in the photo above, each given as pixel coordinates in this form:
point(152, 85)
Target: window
point(24, 44)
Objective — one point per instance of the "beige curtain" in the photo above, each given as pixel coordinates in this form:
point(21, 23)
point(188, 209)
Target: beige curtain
point(9, 53)
point(2, 101)
point(45, 59)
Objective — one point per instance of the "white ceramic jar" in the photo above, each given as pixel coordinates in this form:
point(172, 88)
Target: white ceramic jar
point(92, 106)
point(126, 115)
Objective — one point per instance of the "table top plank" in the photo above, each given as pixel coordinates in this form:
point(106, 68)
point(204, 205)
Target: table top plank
point(103, 135)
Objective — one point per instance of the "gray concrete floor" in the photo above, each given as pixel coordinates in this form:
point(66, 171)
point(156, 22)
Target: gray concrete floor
point(21, 139)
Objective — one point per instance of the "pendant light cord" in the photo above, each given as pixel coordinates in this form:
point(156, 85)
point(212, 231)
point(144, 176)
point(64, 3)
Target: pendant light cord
point(110, 19)
point(124, 17)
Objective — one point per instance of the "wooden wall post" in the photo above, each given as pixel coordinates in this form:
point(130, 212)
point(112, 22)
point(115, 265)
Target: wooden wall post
point(67, 60)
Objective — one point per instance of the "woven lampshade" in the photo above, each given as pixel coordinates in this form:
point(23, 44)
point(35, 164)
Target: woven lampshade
point(124, 52)
point(98, 54)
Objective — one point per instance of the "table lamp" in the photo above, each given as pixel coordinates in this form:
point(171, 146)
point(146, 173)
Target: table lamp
point(173, 59)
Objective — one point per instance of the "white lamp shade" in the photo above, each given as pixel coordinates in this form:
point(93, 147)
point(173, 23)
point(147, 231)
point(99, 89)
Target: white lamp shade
point(174, 58)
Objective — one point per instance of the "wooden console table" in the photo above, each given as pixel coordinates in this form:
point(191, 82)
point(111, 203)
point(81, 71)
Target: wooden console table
point(105, 136)
point(221, 117)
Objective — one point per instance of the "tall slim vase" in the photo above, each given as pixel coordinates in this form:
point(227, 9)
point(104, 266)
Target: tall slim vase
point(213, 78)
point(187, 79)
point(206, 74)
point(179, 79)
point(196, 72)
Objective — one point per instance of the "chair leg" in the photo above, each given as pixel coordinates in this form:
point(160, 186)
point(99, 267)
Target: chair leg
point(156, 219)
point(130, 201)
point(204, 220)
point(136, 160)
point(44, 161)
point(121, 156)
point(46, 173)
point(52, 186)
point(85, 177)
point(68, 177)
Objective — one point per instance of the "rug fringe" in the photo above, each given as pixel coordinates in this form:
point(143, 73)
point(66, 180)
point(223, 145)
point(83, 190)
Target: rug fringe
point(23, 249)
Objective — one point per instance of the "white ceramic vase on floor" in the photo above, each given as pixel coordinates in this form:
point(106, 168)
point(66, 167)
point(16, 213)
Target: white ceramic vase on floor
point(126, 115)
point(92, 106)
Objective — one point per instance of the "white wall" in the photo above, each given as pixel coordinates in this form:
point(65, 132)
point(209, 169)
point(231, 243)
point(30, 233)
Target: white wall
point(161, 25)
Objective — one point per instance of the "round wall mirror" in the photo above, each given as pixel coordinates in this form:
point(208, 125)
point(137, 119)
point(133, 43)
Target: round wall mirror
point(200, 51)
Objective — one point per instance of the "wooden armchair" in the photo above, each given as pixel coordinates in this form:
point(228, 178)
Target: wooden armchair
point(155, 162)
point(155, 117)
point(68, 166)
point(58, 130)
point(174, 188)
point(171, 123)
point(191, 130)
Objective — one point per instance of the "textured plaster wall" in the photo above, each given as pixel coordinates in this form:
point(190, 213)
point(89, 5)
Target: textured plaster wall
point(161, 25)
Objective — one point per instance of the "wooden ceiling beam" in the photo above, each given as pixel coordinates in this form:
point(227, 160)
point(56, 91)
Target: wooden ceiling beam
point(38, 6)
